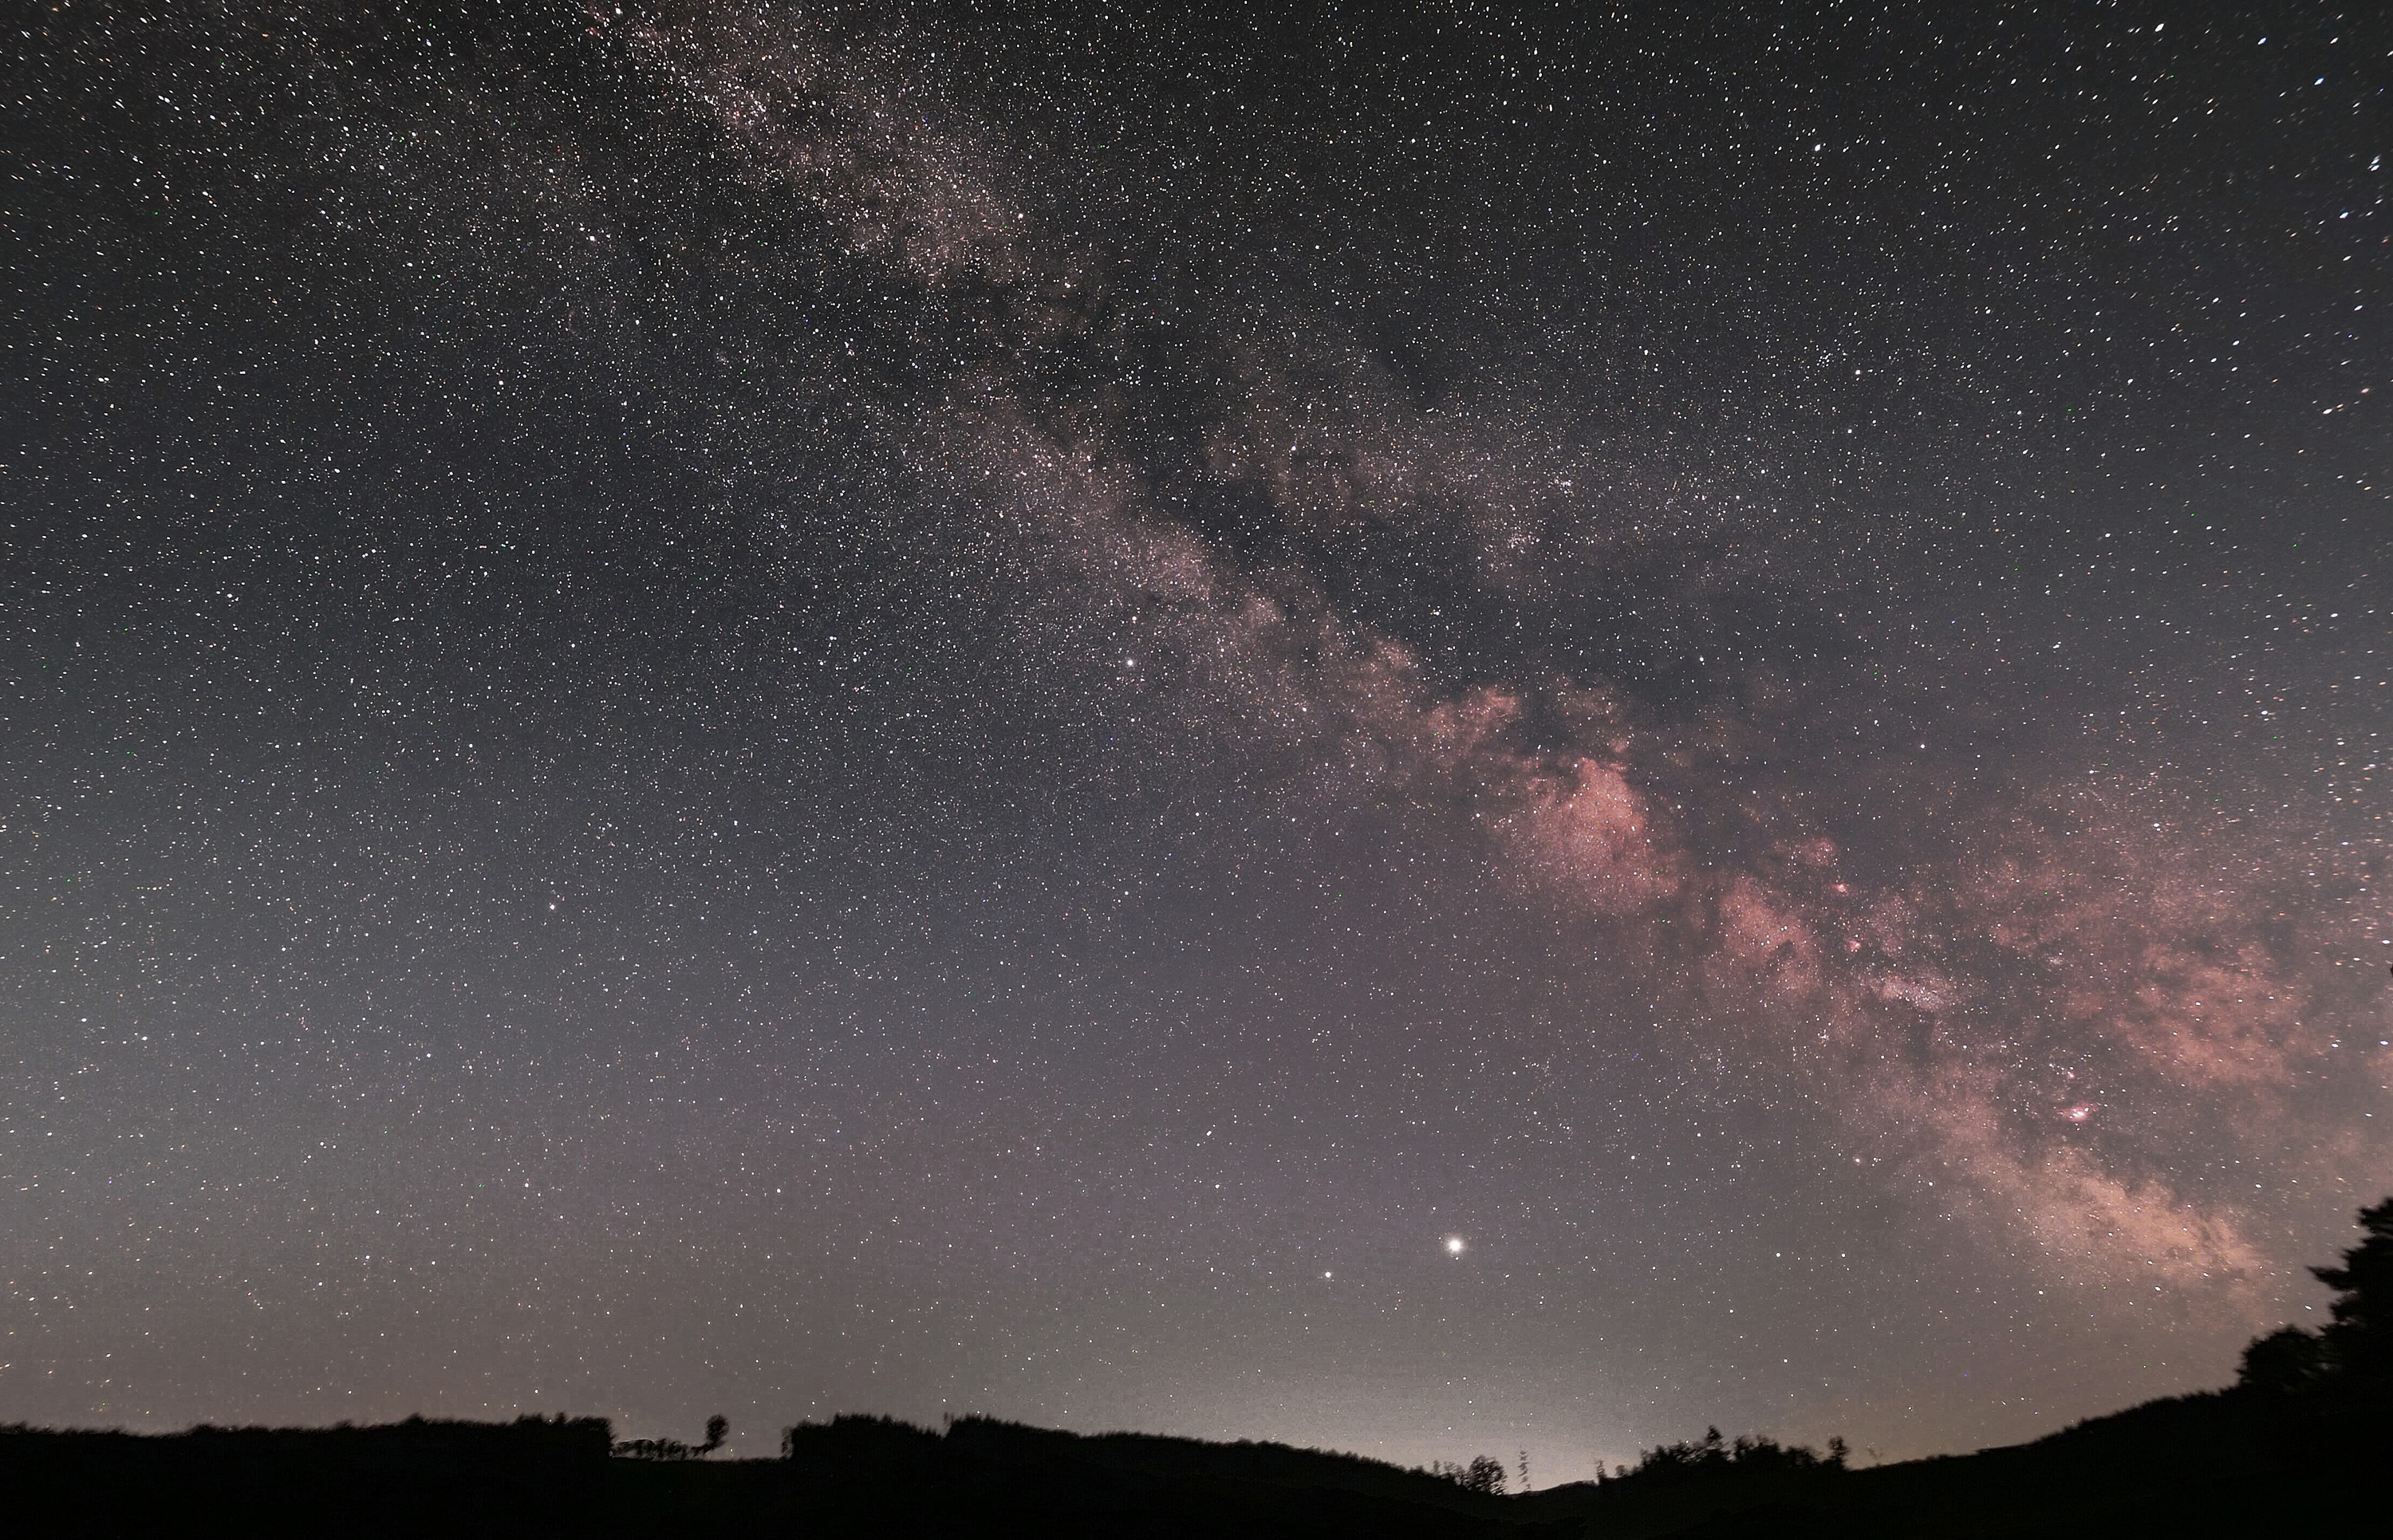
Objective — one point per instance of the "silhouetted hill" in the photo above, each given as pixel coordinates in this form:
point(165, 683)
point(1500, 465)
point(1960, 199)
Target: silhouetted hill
point(855, 1476)
point(1056, 1483)
point(2235, 1462)
point(2221, 1463)
point(470, 1477)
point(2301, 1446)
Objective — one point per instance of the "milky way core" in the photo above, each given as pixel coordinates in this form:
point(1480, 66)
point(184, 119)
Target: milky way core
point(781, 709)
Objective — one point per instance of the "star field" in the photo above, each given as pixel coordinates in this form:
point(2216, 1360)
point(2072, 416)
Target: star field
point(1431, 729)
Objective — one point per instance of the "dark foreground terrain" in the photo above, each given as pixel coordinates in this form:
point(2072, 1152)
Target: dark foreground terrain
point(2301, 1446)
point(2239, 1462)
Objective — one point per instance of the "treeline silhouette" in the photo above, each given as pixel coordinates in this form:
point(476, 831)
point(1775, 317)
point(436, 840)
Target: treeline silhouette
point(2301, 1444)
point(1485, 1474)
point(717, 1428)
point(2351, 1359)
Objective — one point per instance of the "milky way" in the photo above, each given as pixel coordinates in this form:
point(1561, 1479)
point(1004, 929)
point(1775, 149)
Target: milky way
point(785, 709)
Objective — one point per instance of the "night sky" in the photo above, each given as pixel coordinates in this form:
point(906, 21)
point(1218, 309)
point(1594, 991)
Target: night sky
point(784, 708)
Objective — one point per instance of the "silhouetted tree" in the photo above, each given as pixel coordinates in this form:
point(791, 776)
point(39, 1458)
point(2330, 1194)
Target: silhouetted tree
point(2360, 1342)
point(2354, 1351)
point(716, 1426)
point(2286, 1360)
point(1484, 1473)
point(1713, 1457)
